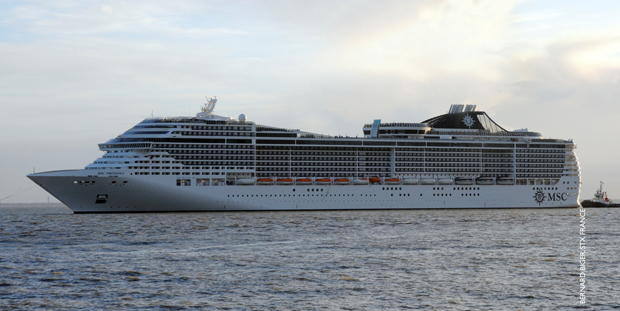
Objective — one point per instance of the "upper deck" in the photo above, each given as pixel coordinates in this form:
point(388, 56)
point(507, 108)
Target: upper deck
point(458, 143)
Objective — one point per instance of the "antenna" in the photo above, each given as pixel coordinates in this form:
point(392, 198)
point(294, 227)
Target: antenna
point(210, 105)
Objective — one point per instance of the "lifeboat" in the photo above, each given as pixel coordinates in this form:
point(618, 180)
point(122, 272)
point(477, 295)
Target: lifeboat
point(427, 181)
point(323, 181)
point(375, 180)
point(484, 181)
point(304, 181)
point(391, 181)
point(505, 181)
point(464, 181)
point(342, 181)
point(264, 181)
point(445, 181)
point(245, 181)
point(360, 181)
point(410, 181)
point(285, 181)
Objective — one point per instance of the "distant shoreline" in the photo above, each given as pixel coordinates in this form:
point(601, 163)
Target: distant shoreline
point(36, 204)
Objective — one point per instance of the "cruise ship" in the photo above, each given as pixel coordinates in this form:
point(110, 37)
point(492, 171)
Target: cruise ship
point(461, 159)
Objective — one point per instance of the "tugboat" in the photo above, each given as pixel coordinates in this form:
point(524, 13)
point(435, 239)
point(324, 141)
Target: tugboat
point(600, 200)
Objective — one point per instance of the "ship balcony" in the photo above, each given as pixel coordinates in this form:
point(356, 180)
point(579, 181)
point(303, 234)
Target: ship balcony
point(125, 146)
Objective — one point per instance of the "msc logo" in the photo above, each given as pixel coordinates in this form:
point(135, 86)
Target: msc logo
point(469, 121)
point(540, 196)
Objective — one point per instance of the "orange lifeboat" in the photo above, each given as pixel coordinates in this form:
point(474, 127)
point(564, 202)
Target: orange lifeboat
point(374, 180)
point(392, 181)
point(304, 181)
point(342, 181)
point(322, 181)
point(285, 181)
point(264, 181)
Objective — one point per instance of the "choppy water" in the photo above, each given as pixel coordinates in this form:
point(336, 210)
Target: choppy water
point(341, 260)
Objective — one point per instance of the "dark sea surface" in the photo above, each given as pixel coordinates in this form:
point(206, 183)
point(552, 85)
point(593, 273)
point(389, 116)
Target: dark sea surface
point(51, 259)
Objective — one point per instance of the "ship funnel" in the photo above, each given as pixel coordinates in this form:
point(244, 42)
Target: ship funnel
point(455, 108)
point(470, 108)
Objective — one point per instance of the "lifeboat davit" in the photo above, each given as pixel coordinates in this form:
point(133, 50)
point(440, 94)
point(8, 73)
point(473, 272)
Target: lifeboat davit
point(445, 181)
point(323, 181)
point(285, 181)
point(505, 181)
point(245, 181)
point(427, 181)
point(464, 181)
point(360, 181)
point(410, 181)
point(484, 180)
point(342, 181)
point(392, 181)
point(304, 181)
point(264, 181)
point(375, 180)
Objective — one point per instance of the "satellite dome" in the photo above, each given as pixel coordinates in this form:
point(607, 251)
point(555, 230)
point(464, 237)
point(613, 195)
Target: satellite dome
point(242, 117)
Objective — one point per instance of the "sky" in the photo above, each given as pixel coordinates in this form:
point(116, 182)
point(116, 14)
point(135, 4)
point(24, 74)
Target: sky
point(74, 74)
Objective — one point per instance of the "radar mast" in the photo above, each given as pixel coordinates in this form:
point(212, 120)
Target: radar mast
point(209, 105)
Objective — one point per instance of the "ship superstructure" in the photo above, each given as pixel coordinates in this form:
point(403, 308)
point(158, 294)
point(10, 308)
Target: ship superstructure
point(461, 159)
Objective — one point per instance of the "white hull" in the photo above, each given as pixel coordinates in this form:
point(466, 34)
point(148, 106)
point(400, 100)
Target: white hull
point(160, 194)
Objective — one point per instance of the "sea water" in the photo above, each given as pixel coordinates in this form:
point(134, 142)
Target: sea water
point(526, 259)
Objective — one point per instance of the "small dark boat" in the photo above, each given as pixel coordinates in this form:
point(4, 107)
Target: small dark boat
point(600, 200)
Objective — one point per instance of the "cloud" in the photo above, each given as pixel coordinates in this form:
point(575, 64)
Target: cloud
point(122, 18)
point(107, 9)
